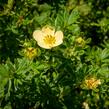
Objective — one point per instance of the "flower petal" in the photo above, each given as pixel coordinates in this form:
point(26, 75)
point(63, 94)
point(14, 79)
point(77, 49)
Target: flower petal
point(59, 38)
point(48, 31)
point(37, 35)
point(43, 45)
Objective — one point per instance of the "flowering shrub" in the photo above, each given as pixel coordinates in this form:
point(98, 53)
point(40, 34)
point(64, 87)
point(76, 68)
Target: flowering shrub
point(54, 54)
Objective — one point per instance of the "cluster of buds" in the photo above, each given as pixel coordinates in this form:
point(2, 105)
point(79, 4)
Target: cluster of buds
point(80, 41)
point(30, 52)
point(92, 83)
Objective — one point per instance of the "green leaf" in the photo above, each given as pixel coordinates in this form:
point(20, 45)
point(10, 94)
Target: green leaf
point(23, 66)
point(75, 29)
point(59, 22)
point(73, 17)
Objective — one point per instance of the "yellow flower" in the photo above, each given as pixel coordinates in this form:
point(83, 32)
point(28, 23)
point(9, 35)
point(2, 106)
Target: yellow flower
point(30, 52)
point(48, 37)
point(92, 83)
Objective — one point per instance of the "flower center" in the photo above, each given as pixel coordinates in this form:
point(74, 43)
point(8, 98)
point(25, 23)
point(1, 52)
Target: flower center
point(49, 40)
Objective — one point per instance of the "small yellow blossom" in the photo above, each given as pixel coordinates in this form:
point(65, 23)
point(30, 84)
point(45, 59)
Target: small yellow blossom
point(48, 37)
point(80, 40)
point(92, 83)
point(30, 52)
point(85, 105)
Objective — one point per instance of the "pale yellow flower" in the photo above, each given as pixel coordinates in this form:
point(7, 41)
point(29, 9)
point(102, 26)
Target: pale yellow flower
point(48, 37)
point(92, 83)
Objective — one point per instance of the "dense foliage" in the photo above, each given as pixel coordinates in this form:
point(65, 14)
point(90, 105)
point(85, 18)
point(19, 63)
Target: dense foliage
point(73, 75)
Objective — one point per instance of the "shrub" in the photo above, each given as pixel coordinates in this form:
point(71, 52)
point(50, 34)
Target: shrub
point(54, 54)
